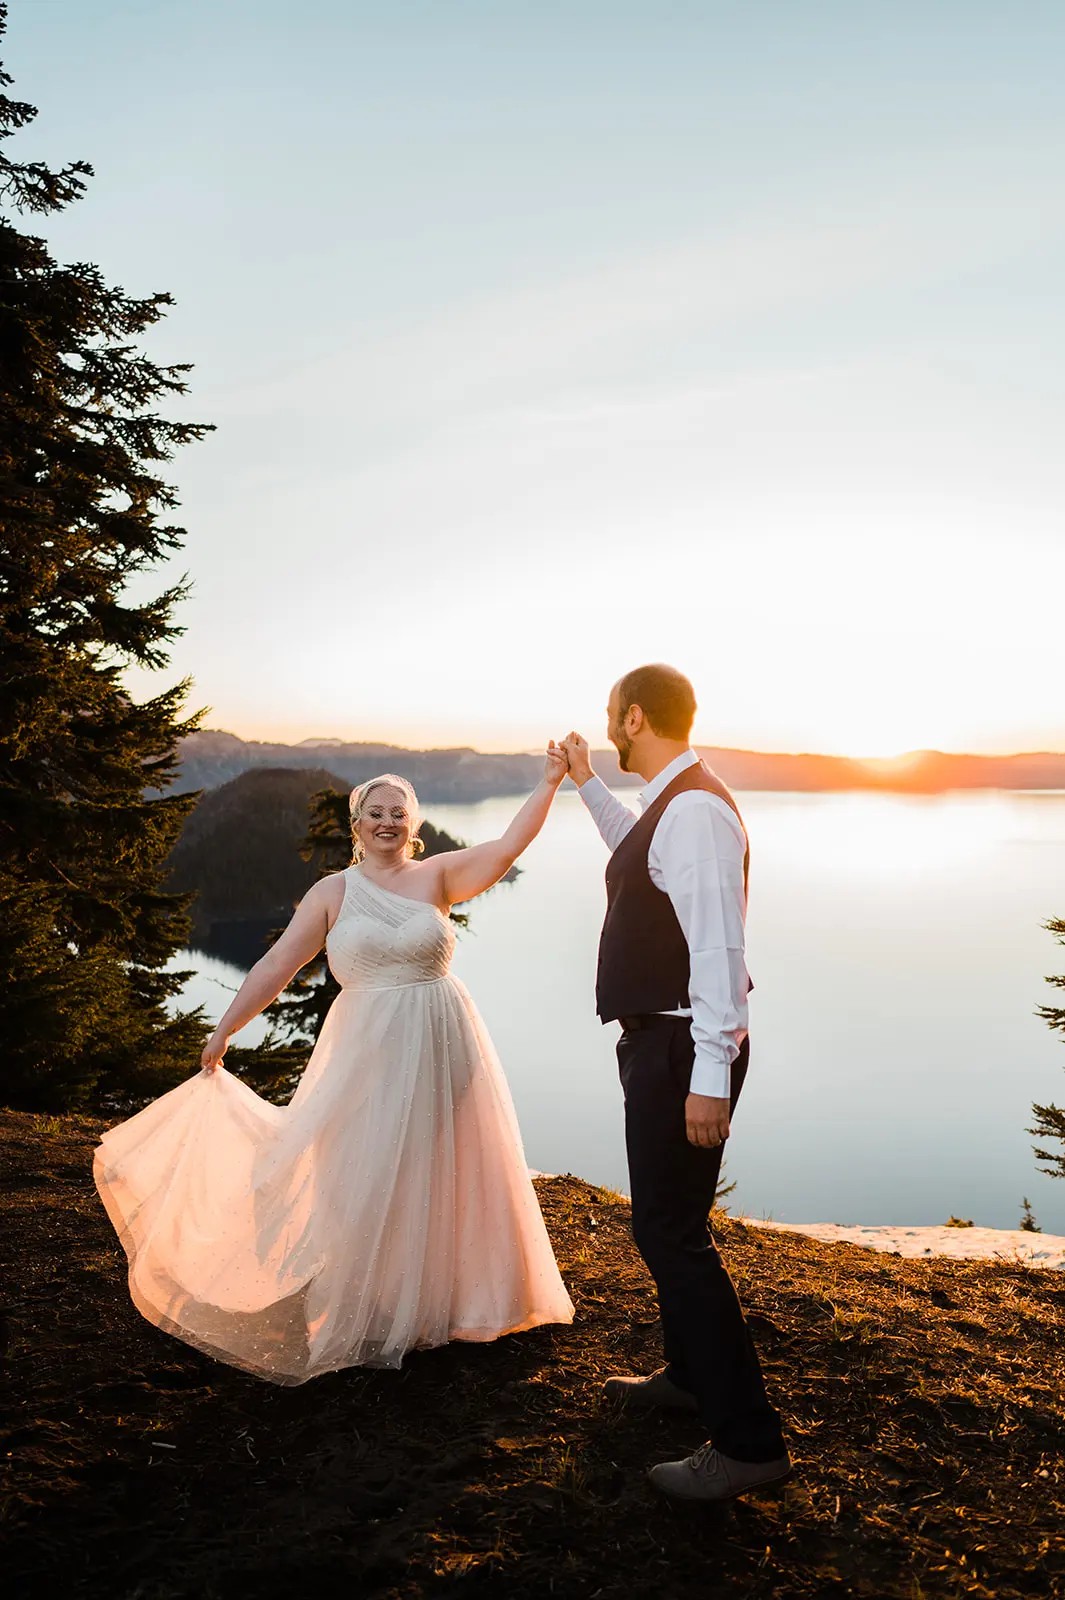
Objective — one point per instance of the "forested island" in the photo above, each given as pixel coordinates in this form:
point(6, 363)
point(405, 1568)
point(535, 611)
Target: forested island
point(251, 849)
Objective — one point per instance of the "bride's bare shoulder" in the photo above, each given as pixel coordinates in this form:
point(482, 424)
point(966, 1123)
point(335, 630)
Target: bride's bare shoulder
point(429, 876)
point(432, 868)
point(327, 893)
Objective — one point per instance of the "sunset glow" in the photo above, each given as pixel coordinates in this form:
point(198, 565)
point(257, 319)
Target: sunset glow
point(783, 406)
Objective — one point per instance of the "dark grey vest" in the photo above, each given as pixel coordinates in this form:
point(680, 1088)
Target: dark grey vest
point(643, 955)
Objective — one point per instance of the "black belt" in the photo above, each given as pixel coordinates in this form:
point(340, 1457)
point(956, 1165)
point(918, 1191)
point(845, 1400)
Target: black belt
point(653, 1019)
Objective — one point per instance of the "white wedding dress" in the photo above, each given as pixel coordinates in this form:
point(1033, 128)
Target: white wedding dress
point(387, 1206)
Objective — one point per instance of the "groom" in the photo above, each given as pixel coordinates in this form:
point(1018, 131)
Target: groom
point(672, 971)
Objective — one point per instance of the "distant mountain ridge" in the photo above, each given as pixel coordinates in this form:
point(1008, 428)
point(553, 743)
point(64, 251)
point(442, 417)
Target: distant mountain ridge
point(212, 757)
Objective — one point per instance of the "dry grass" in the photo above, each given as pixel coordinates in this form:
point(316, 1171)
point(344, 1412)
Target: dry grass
point(922, 1401)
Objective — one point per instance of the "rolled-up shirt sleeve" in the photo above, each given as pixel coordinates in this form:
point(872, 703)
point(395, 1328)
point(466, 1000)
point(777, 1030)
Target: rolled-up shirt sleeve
point(609, 815)
point(696, 858)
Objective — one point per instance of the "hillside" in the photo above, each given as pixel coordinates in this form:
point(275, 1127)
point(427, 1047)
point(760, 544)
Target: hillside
point(922, 1400)
point(239, 848)
point(210, 758)
point(239, 853)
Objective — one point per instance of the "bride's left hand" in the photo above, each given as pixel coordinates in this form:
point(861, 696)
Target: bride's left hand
point(213, 1051)
point(555, 765)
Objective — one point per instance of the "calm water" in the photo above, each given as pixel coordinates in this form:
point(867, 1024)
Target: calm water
point(897, 948)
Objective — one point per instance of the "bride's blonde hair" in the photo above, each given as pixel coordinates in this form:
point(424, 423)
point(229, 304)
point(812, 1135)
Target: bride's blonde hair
point(357, 805)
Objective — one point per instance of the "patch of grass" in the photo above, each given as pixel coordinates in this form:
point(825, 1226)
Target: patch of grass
point(565, 1473)
point(853, 1326)
point(47, 1127)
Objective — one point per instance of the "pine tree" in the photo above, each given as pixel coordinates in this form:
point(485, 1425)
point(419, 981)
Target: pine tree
point(1050, 1120)
point(85, 927)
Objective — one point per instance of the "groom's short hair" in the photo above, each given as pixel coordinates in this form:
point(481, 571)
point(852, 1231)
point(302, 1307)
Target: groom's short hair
point(663, 694)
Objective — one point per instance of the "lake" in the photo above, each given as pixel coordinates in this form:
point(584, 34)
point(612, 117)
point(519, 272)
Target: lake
point(898, 951)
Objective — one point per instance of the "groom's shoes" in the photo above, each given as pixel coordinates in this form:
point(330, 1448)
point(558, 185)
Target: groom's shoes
point(708, 1475)
point(656, 1392)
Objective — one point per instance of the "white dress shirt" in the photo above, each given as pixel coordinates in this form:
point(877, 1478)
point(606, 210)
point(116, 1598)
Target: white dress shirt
point(696, 857)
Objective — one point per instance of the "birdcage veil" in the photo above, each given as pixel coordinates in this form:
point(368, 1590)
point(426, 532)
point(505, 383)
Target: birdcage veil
point(359, 798)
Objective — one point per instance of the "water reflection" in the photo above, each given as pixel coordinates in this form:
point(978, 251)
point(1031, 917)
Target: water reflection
point(239, 942)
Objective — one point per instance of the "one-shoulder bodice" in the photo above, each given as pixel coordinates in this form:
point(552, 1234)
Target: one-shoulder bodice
point(381, 940)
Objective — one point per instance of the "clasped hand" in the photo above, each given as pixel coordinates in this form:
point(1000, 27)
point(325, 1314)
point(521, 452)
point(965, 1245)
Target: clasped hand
point(568, 756)
point(555, 764)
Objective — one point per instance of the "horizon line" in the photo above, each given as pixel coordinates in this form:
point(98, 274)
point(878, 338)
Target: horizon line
point(900, 758)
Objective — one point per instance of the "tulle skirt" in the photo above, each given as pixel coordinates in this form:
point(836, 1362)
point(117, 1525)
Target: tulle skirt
point(387, 1206)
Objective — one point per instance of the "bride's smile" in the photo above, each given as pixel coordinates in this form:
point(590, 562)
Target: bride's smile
point(385, 828)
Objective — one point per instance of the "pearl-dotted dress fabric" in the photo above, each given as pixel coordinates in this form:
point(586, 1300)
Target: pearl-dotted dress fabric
point(387, 1206)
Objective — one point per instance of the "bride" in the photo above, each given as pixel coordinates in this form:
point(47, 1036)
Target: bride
point(388, 1205)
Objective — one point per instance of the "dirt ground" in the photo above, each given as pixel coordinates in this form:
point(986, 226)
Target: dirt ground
point(923, 1404)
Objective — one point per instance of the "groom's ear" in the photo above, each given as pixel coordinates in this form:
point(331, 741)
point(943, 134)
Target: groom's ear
point(634, 720)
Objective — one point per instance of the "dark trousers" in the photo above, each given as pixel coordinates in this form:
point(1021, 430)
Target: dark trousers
point(707, 1346)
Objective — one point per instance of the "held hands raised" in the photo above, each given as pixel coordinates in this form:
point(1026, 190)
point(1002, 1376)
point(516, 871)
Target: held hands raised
point(578, 756)
point(569, 756)
point(554, 764)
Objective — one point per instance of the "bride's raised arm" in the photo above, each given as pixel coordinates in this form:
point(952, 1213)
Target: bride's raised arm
point(470, 872)
point(273, 972)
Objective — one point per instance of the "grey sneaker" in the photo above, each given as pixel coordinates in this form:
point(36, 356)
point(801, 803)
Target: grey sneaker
point(708, 1475)
point(656, 1392)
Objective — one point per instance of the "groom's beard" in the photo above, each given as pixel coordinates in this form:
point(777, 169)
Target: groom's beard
point(623, 747)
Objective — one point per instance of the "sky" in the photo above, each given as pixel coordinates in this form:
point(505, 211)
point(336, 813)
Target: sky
point(545, 339)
